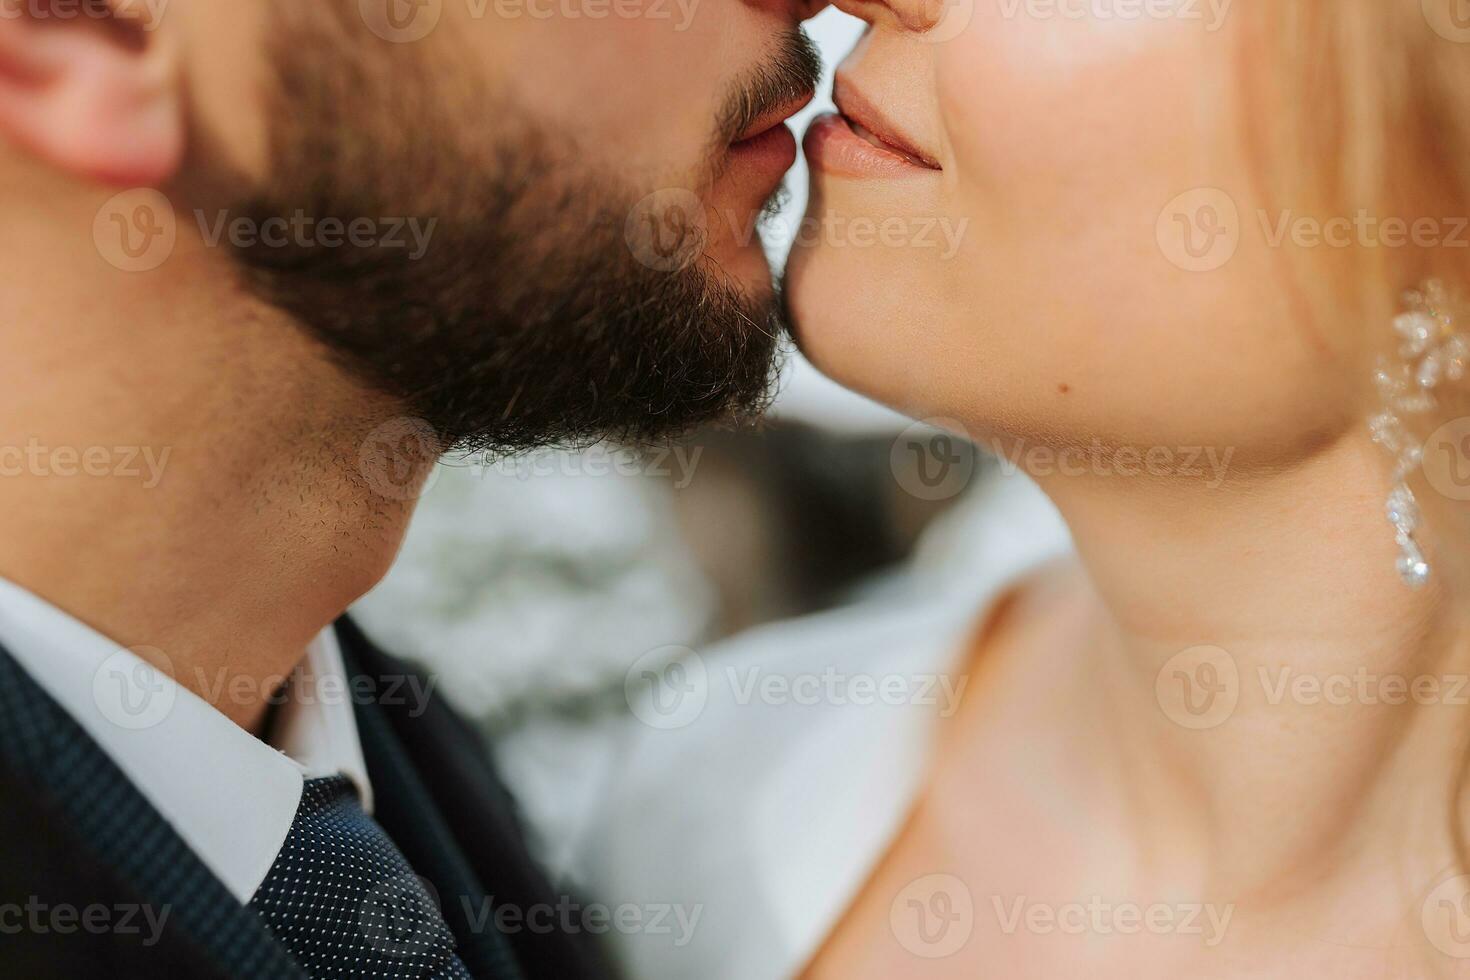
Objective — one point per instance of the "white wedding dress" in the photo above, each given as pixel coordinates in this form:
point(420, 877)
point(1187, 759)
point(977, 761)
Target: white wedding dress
point(733, 838)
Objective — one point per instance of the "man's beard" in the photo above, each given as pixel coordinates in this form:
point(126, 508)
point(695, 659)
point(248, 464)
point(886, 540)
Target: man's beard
point(527, 321)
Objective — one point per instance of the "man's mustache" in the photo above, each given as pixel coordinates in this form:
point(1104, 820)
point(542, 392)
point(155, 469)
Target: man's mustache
point(792, 73)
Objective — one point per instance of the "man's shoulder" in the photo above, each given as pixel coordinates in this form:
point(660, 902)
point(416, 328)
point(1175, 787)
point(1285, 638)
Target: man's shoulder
point(93, 880)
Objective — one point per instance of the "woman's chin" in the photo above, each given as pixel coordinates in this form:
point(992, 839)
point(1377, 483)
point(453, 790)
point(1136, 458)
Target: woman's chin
point(815, 313)
point(834, 324)
point(855, 324)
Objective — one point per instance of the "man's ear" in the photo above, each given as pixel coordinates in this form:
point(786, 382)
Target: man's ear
point(92, 88)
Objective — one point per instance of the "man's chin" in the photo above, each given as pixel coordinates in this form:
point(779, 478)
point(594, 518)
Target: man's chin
point(745, 269)
point(734, 251)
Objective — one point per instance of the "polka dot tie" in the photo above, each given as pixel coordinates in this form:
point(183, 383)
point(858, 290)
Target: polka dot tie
point(343, 900)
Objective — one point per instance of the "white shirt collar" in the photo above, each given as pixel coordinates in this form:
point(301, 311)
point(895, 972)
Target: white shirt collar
point(229, 795)
point(316, 726)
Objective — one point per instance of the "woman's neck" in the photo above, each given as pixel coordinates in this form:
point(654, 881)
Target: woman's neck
point(1279, 698)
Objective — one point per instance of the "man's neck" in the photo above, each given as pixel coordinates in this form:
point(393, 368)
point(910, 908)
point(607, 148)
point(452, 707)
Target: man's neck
point(187, 481)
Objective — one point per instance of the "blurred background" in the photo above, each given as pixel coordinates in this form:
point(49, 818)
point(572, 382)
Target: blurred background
point(530, 586)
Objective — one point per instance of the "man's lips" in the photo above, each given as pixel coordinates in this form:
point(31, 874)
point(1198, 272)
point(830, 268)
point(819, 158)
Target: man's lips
point(771, 152)
point(870, 124)
point(774, 117)
point(766, 146)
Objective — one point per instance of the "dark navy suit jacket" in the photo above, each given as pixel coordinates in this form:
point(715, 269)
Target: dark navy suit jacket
point(75, 833)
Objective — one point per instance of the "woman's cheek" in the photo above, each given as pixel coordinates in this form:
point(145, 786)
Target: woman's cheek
point(1028, 103)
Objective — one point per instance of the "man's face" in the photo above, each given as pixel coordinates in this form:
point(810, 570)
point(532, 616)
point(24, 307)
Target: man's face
point(588, 174)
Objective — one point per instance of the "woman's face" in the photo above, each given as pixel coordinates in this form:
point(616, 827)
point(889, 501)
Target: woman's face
point(1074, 243)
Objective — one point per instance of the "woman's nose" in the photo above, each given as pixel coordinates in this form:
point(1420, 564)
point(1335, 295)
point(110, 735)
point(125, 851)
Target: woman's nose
point(914, 16)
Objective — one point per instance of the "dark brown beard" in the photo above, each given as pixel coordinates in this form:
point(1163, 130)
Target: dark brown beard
point(527, 321)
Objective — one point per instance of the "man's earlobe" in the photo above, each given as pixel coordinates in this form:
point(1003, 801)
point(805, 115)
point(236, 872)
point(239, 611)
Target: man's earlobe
point(92, 88)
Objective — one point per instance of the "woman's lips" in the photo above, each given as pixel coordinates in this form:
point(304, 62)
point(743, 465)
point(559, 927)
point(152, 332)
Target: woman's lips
point(835, 146)
point(873, 123)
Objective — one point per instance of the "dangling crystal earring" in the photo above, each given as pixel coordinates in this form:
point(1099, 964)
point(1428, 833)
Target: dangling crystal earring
point(1432, 351)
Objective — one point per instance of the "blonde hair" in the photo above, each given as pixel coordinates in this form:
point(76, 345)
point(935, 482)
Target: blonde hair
point(1378, 118)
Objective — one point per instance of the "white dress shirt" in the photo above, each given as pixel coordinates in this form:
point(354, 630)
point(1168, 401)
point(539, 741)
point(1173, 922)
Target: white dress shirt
point(229, 795)
point(761, 811)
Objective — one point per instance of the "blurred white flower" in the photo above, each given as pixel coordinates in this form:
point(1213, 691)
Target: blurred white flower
point(535, 582)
